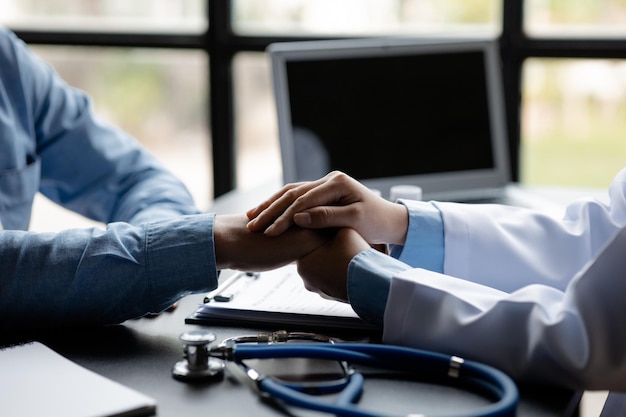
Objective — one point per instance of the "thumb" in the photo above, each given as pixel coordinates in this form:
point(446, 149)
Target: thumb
point(324, 217)
point(303, 219)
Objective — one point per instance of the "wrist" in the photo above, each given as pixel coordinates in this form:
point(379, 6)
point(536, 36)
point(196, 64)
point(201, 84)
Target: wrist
point(224, 236)
point(397, 224)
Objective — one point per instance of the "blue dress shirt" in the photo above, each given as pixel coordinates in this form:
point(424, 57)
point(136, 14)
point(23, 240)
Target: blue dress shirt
point(370, 272)
point(156, 246)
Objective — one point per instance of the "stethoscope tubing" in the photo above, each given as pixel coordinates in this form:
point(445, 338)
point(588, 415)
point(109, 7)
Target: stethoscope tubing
point(343, 405)
point(434, 365)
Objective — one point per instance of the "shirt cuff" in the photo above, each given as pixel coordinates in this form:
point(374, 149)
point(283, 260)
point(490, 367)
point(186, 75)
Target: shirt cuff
point(369, 279)
point(189, 241)
point(424, 245)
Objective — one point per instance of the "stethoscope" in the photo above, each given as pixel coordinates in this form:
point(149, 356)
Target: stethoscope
point(203, 360)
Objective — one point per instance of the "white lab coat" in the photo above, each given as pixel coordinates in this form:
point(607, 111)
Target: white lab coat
point(542, 298)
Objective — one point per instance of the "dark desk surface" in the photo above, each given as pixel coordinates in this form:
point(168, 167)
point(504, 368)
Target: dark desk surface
point(140, 354)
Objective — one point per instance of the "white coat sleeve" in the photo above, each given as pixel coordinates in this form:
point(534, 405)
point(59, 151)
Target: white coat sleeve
point(573, 338)
point(508, 247)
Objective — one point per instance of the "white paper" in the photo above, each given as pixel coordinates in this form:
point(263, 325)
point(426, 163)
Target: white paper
point(278, 296)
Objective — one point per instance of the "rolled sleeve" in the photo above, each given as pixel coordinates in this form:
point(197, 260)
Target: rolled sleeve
point(103, 276)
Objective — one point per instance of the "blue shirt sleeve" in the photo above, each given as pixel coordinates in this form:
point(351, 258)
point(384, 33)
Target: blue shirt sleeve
point(370, 273)
point(95, 276)
point(156, 246)
point(369, 277)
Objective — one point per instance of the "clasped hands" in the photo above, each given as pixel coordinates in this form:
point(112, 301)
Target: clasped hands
point(322, 225)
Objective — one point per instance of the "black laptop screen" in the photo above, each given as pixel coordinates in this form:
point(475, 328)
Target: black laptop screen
point(390, 116)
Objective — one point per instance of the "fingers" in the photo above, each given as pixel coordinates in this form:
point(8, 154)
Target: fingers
point(278, 215)
point(319, 204)
point(318, 201)
point(275, 207)
point(329, 216)
point(254, 212)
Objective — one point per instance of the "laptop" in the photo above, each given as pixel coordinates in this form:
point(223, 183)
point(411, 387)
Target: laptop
point(395, 111)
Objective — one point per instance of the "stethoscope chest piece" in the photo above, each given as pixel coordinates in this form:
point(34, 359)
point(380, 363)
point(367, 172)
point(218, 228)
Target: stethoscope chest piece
point(197, 364)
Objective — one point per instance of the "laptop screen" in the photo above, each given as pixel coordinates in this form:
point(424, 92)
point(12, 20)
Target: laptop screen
point(391, 112)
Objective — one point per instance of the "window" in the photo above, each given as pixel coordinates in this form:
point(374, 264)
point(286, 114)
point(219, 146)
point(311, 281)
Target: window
point(256, 132)
point(183, 16)
point(576, 18)
point(366, 17)
point(541, 41)
point(574, 121)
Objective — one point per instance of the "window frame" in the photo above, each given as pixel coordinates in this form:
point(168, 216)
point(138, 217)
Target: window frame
point(221, 44)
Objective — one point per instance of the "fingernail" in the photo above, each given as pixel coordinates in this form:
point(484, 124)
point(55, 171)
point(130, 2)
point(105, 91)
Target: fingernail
point(302, 219)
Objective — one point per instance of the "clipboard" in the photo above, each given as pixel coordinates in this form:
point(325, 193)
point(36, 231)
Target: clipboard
point(276, 297)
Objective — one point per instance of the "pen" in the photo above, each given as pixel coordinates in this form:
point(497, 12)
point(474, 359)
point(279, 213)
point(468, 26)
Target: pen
point(226, 292)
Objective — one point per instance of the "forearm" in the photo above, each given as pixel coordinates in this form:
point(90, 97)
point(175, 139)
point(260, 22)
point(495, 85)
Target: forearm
point(370, 272)
point(94, 276)
point(87, 165)
point(111, 177)
point(537, 334)
point(508, 247)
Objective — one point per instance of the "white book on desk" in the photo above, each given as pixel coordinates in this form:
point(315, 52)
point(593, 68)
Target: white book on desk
point(276, 297)
point(37, 381)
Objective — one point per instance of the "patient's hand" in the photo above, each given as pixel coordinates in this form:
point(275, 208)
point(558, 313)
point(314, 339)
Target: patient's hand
point(237, 247)
point(336, 200)
point(325, 270)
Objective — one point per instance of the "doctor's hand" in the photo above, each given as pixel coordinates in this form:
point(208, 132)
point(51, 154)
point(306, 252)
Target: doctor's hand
point(325, 270)
point(336, 200)
point(237, 247)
